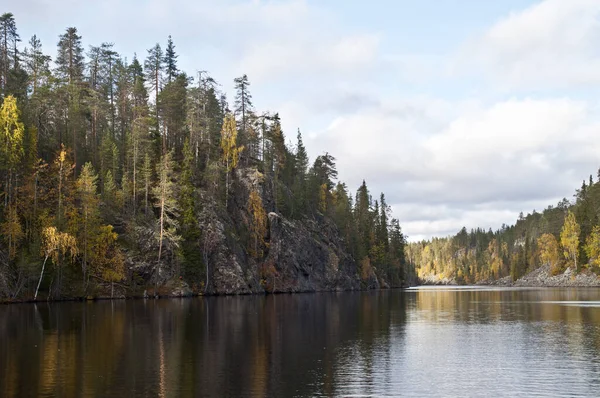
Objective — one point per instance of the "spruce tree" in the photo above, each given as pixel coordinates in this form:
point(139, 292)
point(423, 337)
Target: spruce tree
point(243, 108)
point(170, 61)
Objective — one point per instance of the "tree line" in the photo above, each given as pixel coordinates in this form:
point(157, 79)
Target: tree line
point(563, 236)
point(105, 160)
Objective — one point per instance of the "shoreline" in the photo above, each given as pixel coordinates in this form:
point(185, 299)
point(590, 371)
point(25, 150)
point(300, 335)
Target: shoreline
point(539, 277)
point(524, 282)
point(191, 296)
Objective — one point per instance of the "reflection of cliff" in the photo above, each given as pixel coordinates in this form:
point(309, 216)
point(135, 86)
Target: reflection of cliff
point(261, 346)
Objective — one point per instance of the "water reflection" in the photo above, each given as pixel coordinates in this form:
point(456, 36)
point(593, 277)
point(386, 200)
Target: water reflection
point(445, 342)
point(234, 346)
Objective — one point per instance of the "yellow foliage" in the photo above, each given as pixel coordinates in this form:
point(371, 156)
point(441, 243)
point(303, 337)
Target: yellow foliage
point(107, 258)
point(231, 152)
point(569, 238)
point(55, 243)
point(496, 263)
point(258, 225)
point(11, 133)
point(549, 252)
point(592, 247)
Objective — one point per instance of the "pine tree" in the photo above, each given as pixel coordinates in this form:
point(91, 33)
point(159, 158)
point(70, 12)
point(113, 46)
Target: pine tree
point(108, 62)
point(154, 70)
point(69, 68)
point(165, 201)
point(69, 61)
point(279, 158)
point(37, 65)
point(243, 107)
point(8, 49)
point(146, 174)
point(300, 168)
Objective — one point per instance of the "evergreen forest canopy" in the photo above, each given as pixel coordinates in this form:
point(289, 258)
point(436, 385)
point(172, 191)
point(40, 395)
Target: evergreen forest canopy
point(565, 236)
point(106, 163)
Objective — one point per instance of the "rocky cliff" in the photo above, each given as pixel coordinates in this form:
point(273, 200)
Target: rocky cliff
point(303, 255)
point(300, 255)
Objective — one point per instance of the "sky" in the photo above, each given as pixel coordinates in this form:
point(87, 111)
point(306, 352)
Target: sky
point(464, 112)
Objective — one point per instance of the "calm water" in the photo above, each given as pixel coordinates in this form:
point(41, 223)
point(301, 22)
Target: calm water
point(422, 342)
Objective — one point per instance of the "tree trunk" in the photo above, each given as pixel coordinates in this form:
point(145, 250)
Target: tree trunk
point(226, 183)
point(160, 242)
point(206, 261)
point(41, 276)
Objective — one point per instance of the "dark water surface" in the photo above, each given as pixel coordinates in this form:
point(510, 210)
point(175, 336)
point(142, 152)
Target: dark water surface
point(422, 342)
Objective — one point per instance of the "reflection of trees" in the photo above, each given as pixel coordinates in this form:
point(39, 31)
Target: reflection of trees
point(282, 345)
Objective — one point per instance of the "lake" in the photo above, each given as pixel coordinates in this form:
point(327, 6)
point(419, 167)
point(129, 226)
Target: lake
point(418, 342)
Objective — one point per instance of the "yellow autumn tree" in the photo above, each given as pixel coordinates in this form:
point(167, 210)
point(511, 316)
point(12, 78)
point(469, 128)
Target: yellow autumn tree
point(107, 259)
point(569, 238)
point(87, 186)
point(496, 260)
point(63, 170)
point(592, 247)
point(258, 225)
point(231, 152)
point(549, 252)
point(54, 244)
point(11, 142)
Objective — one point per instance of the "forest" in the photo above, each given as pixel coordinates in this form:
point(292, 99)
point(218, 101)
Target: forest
point(120, 176)
point(565, 236)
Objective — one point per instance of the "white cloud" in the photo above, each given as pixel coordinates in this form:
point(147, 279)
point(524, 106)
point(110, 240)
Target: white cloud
point(471, 165)
point(552, 44)
point(300, 56)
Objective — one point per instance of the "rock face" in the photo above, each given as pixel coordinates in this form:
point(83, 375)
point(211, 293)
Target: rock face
point(307, 256)
point(302, 256)
point(298, 256)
